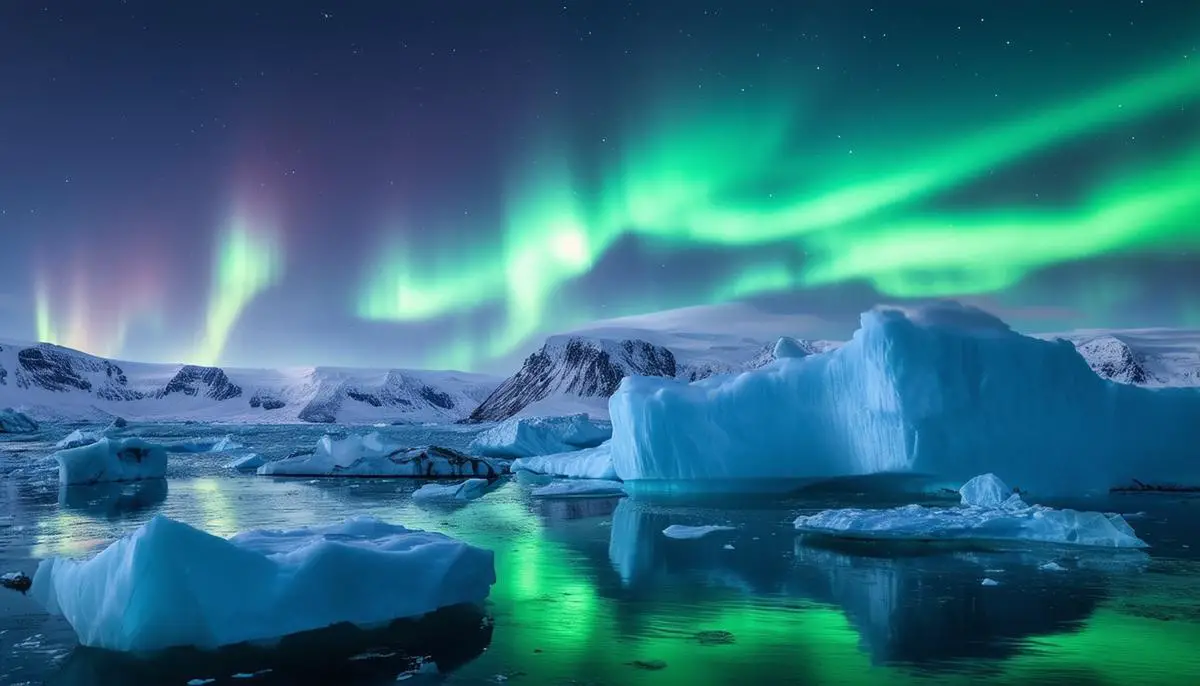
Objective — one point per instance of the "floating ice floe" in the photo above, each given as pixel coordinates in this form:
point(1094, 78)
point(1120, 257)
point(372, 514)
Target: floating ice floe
point(13, 422)
point(370, 456)
point(680, 531)
point(529, 436)
point(588, 463)
point(471, 489)
point(111, 459)
point(948, 391)
point(168, 584)
point(246, 463)
point(583, 488)
point(990, 512)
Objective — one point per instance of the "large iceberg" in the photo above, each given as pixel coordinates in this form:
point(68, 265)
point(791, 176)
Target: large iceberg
point(947, 390)
point(370, 456)
point(990, 513)
point(529, 436)
point(168, 584)
point(589, 463)
point(111, 459)
point(13, 422)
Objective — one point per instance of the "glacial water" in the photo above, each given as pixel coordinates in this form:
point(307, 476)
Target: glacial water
point(591, 592)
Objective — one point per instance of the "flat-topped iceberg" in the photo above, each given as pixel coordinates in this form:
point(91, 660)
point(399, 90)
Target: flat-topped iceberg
point(529, 436)
point(947, 391)
point(370, 456)
point(984, 517)
point(111, 459)
point(13, 422)
point(168, 584)
point(589, 463)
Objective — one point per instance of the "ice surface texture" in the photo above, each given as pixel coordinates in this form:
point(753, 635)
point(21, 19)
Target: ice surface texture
point(590, 488)
point(471, 489)
point(529, 436)
point(947, 390)
point(371, 456)
point(111, 459)
point(14, 422)
point(168, 584)
point(589, 463)
point(990, 512)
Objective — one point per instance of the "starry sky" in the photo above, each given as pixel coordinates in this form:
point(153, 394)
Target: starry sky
point(442, 183)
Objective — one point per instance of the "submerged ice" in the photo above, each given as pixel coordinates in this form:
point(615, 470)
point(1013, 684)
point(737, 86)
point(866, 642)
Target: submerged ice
point(947, 390)
point(990, 512)
point(168, 584)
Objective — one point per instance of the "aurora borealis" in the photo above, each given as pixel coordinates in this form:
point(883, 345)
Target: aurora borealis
point(425, 185)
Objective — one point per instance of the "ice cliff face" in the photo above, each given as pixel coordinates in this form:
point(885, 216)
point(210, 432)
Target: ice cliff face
point(576, 366)
point(52, 382)
point(948, 390)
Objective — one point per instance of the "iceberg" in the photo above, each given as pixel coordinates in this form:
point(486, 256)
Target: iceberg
point(529, 436)
point(471, 489)
point(247, 463)
point(983, 517)
point(369, 456)
point(13, 422)
point(947, 391)
point(169, 585)
point(111, 459)
point(579, 489)
point(589, 463)
point(683, 532)
point(78, 438)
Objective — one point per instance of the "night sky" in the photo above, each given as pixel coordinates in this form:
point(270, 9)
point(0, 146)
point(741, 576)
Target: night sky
point(443, 183)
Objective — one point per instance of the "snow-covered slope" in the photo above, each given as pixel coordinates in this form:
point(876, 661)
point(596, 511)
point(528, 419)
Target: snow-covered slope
point(1143, 357)
point(51, 382)
point(578, 372)
point(947, 390)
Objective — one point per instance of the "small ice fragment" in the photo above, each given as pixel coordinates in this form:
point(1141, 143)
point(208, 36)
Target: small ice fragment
point(728, 546)
point(1052, 567)
point(679, 531)
point(429, 667)
point(990, 582)
point(200, 682)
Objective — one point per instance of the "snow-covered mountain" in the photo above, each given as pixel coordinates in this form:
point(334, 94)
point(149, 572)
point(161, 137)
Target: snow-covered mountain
point(579, 372)
point(51, 382)
point(1142, 357)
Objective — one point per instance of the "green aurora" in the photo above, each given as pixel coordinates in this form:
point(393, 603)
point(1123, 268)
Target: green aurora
point(691, 176)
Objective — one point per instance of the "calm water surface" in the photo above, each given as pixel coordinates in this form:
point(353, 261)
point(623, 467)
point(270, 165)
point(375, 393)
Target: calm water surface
point(591, 592)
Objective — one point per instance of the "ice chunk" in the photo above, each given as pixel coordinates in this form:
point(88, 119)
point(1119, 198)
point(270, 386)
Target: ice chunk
point(471, 489)
point(1052, 567)
point(989, 582)
point(589, 463)
point(1008, 522)
point(370, 456)
point(680, 531)
point(988, 490)
point(529, 436)
point(168, 584)
point(947, 391)
point(226, 444)
point(247, 463)
point(586, 488)
point(788, 347)
point(111, 459)
point(13, 422)
point(78, 438)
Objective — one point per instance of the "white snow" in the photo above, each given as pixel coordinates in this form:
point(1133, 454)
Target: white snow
point(168, 584)
point(583, 488)
point(996, 521)
point(947, 390)
point(529, 436)
point(111, 459)
point(14, 422)
point(370, 456)
point(247, 463)
point(684, 532)
point(589, 463)
point(471, 489)
point(1169, 357)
